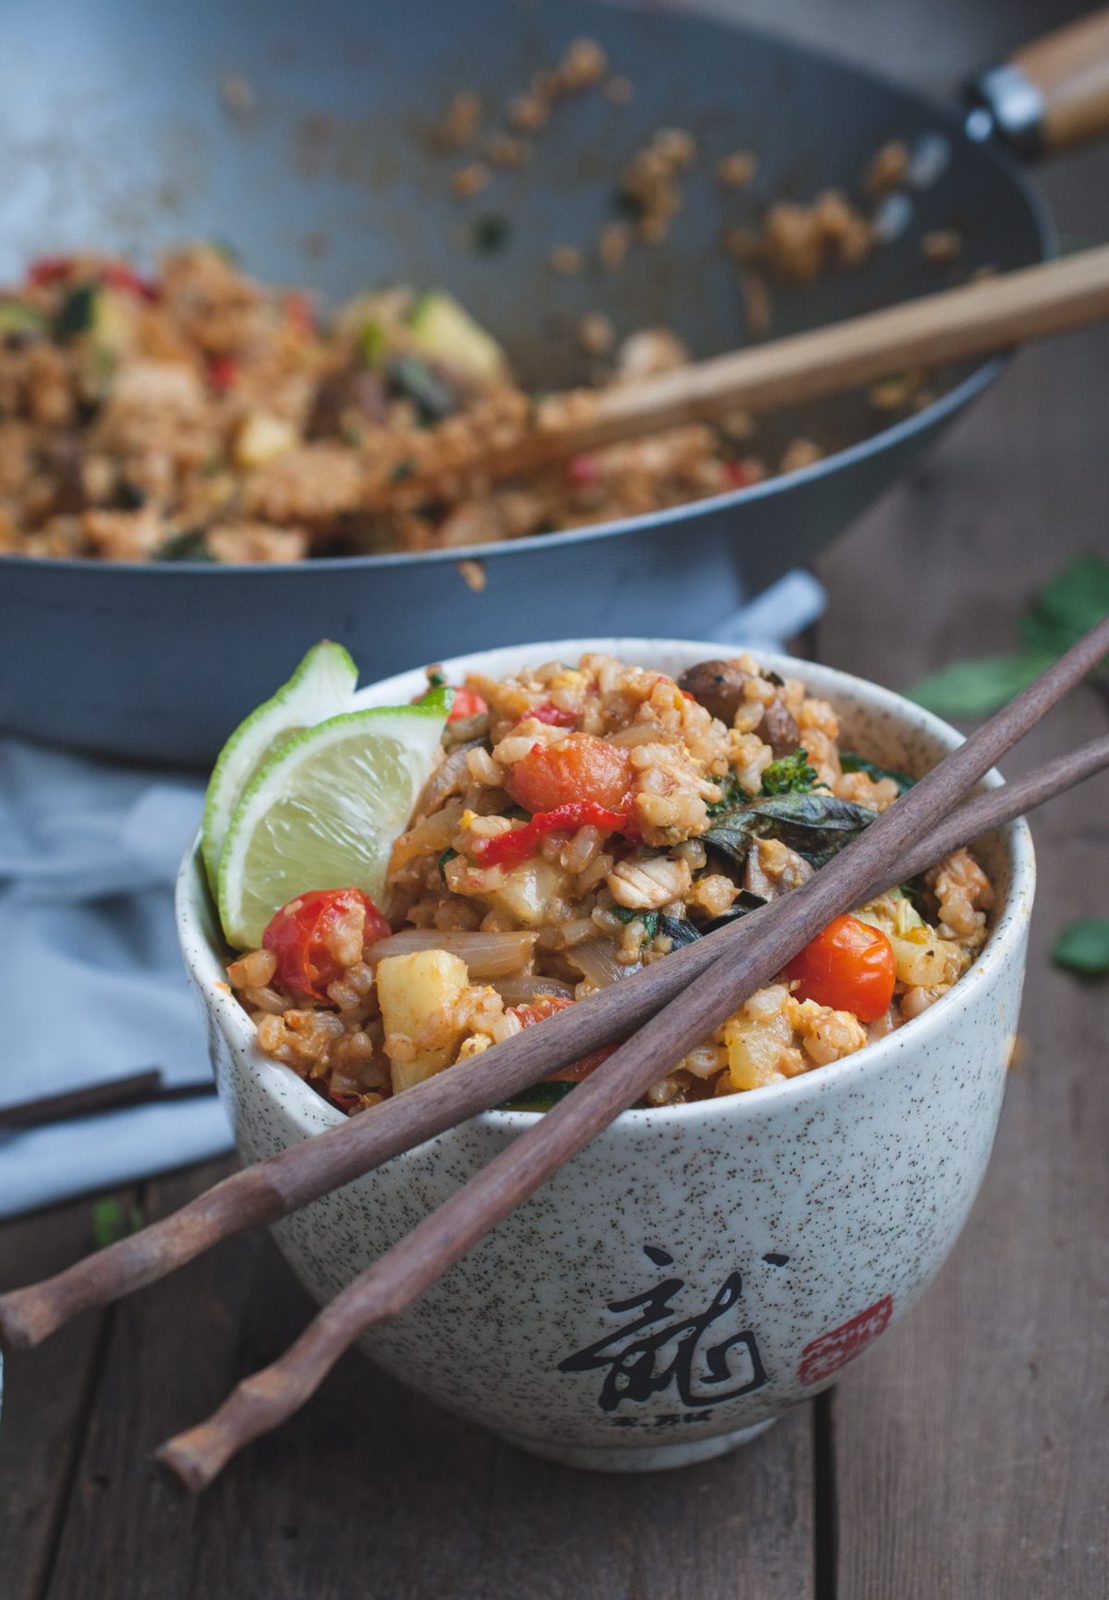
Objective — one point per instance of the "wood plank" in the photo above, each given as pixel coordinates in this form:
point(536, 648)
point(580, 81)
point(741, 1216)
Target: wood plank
point(373, 1481)
point(47, 1395)
point(972, 1446)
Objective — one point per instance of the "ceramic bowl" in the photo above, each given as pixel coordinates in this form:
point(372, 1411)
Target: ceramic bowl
point(696, 1270)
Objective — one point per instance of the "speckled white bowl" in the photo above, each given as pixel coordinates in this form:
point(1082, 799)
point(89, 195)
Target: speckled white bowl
point(696, 1270)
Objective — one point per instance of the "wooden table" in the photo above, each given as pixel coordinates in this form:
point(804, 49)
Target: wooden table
point(967, 1455)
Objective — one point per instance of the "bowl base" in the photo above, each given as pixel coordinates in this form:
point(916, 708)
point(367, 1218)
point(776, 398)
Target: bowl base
point(651, 1458)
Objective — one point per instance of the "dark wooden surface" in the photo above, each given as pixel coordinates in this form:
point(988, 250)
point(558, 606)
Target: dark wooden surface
point(967, 1455)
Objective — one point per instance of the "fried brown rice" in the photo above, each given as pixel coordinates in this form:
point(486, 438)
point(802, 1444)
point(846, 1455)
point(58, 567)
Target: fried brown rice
point(585, 819)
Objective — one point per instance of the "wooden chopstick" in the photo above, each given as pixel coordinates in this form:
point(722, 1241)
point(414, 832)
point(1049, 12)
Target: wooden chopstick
point(143, 1088)
point(263, 1400)
point(273, 1188)
point(109, 1095)
point(974, 319)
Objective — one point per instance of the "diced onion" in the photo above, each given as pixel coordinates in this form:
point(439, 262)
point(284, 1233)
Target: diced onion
point(449, 775)
point(525, 990)
point(598, 963)
point(487, 955)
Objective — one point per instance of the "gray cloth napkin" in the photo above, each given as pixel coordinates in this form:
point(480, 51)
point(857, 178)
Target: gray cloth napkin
point(94, 986)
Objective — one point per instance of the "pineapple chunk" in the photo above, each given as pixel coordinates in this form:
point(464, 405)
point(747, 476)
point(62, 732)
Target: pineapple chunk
point(527, 891)
point(263, 438)
point(418, 993)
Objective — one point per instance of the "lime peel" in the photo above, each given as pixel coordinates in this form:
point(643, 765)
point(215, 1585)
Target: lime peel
point(322, 686)
point(323, 812)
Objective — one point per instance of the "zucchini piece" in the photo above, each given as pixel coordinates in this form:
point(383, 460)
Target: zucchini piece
point(15, 317)
point(442, 330)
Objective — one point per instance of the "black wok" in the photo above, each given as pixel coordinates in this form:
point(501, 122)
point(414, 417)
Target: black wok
point(119, 128)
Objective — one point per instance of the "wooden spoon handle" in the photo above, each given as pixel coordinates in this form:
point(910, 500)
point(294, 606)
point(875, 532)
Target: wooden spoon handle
point(992, 314)
point(1069, 71)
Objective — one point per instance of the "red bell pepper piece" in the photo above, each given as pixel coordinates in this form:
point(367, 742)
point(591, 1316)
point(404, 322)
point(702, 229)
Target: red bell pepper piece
point(553, 716)
point(509, 849)
point(49, 269)
point(466, 703)
point(223, 372)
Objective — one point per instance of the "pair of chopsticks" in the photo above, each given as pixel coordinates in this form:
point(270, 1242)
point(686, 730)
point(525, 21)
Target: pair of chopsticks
point(673, 1003)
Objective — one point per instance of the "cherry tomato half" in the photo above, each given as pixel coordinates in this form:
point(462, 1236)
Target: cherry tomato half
point(538, 1011)
point(581, 768)
point(301, 936)
point(849, 967)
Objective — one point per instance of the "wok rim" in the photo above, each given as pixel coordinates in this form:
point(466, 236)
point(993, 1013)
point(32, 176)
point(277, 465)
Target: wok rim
point(941, 410)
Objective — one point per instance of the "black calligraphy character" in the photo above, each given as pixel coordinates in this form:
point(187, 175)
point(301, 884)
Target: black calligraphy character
point(634, 1358)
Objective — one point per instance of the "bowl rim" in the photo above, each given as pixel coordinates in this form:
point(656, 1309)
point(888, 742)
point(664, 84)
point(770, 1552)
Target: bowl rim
point(296, 1099)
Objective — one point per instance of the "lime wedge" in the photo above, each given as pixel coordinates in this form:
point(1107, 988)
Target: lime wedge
point(324, 811)
point(322, 686)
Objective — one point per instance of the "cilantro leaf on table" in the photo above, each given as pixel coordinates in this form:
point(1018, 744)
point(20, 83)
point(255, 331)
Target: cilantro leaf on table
point(110, 1222)
point(1068, 606)
point(1084, 947)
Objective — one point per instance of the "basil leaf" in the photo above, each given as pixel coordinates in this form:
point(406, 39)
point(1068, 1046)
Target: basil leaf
point(111, 1223)
point(678, 930)
point(734, 795)
point(850, 762)
point(415, 378)
point(448, 855)
point(539, 1097)
point(742, 906)
point(1084, 947)
point(192, 545)
point(1073, 602)
point(975, 688)
point(816, 826)
point(78, 311)
point(681, 931)
point(1064, 609)
point(490, 233)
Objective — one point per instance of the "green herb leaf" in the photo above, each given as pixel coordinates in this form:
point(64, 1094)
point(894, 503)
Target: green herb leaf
point(649, 920)
point(975, 688)
point(192, 545)
point(540, 1097)
point(402, 471)
point(77, 312)
point(679, 930)
point(111, 1223)
point(1068, 606)
point(448, 855)
point(1084, 947)
point(734, 795)
point(373, 342)
point(416, 379)
point(850, 762)
point(789, 775)
point(490, 233)
point(817, 826)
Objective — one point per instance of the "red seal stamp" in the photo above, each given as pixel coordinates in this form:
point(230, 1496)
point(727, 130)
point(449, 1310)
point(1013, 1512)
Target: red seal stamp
point(837, 1347)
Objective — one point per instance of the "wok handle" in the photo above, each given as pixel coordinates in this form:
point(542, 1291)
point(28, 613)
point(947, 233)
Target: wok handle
point(1054, 93)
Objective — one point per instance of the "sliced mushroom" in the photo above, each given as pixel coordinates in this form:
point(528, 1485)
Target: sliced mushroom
point(718, 686)
point(778, 729)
